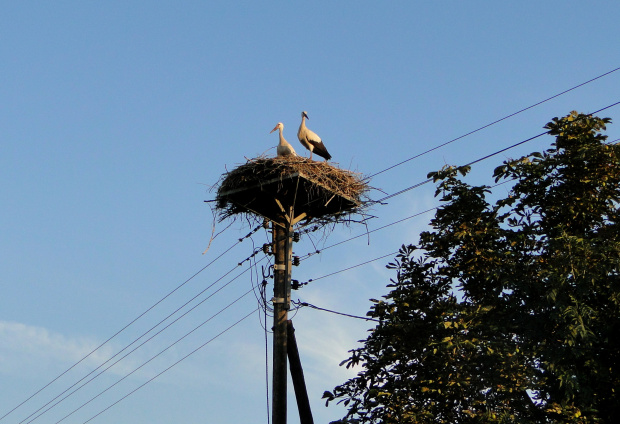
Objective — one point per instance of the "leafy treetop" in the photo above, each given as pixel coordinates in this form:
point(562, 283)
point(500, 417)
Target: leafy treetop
point(506, 312)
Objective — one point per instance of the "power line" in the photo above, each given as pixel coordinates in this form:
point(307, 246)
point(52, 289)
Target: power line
point(380, 201)
point(482, 158)
point(366, 233)
point(128, 325)
point(142, 344)
point(493, 123)
point(160, 353)
point(267, 370)
point(261, 298)
point(428, 210)
point(389, 225)
point(159, 332)
point(377, 229)
point(130, 352)
point(300, 304)
point(351, 267)
point(334, 312)
point(171, 366)
point(137, 339)
point(398, 193)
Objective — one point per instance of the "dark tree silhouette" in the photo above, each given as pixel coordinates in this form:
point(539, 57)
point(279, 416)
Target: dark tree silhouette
point(506, 312)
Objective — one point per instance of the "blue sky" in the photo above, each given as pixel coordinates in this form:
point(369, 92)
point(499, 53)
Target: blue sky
point(117, 117)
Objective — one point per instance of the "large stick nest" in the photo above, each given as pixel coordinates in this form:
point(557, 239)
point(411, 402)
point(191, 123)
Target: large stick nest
point(321, 179)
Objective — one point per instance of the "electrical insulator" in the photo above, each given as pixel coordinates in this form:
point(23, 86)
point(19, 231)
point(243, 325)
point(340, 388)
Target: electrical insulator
point(265, 223)
point(296, 260)
point(296, 237)
point(296, 285)
point(267, 248)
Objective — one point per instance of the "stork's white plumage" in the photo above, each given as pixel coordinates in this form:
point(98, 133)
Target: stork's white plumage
point(310, 140)
point(284, 147)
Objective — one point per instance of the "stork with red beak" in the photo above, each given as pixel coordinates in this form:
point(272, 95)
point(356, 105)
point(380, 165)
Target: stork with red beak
point(284, 147)
point(310, 140)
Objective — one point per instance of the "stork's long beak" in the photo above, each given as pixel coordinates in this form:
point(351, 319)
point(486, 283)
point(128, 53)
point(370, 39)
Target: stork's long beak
point(273, 129)
point(306, 115)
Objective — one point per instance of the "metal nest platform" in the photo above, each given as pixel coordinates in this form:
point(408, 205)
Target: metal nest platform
point(290, 189)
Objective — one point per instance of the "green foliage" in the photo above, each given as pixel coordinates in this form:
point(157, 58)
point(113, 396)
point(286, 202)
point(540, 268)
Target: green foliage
point(506, 312)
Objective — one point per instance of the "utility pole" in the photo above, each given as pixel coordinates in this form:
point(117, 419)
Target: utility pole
point(282, 242)
point(261, 188)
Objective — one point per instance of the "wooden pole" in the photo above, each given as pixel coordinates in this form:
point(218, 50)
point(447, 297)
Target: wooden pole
point(282, 240)
point(297, 374)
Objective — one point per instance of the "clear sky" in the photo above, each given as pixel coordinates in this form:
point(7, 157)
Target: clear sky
point(116, 118)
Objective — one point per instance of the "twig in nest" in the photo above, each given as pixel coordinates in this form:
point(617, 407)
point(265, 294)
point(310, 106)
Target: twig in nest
point(213, 235)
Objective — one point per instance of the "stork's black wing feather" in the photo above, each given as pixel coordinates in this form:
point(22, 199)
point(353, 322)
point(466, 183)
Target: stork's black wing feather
point(319, 149)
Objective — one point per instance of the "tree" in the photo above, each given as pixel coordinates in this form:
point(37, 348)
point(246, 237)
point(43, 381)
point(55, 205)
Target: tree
point(506, 312)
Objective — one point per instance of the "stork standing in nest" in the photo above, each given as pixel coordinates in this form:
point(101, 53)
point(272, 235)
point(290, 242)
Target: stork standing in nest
point(310, 140)
point(284, 147)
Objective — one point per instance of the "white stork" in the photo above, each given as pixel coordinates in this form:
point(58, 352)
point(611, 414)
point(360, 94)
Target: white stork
point(284, 147)
point(310, 140)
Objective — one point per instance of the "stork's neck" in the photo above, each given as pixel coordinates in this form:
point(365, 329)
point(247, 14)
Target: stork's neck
point(282, 140)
